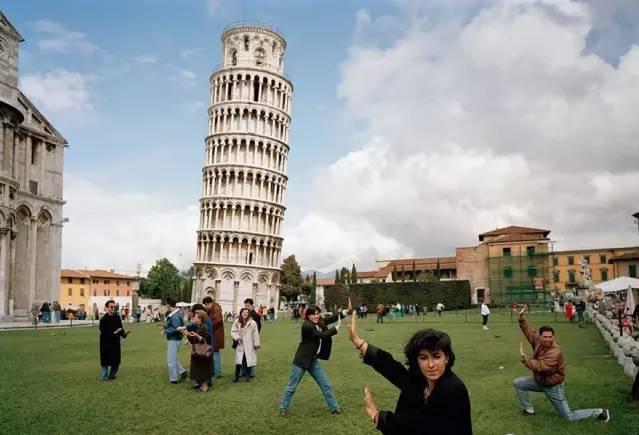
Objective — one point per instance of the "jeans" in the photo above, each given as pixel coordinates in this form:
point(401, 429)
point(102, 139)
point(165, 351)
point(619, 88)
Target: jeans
point(557, 397)
point(175, 368)
point(317, 372)
point(46, 316)
point(217, 364)
point(485, 319)
point(104, 372)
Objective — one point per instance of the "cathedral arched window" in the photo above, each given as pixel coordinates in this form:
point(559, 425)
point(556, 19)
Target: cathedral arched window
point(234, 57)
point(246, 43)
point(260, 55)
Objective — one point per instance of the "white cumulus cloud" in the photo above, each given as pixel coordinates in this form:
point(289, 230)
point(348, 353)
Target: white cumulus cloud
point(55, 37)
point(503, 119)
point(58, 91)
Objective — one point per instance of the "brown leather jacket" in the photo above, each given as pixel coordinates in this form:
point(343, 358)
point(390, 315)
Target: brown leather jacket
point(547, 363)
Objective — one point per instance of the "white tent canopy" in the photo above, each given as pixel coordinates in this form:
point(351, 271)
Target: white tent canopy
point(618, 284)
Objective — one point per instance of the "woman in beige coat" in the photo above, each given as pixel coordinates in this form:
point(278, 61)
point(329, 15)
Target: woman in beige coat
point(246, 341)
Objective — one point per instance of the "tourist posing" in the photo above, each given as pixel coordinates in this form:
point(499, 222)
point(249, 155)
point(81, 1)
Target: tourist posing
point(485, 312)
point(257, 317)
point(439, 308)
point(432, 399)
point(111, 330)
point(316, 344)
point(199, 335)
point(549, 372)
point(214, 310)
point(173, 334)
point(246, 340)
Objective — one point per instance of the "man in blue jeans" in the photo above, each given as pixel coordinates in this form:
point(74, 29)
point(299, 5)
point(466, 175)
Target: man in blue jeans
point(549, 373)
point(174, 341)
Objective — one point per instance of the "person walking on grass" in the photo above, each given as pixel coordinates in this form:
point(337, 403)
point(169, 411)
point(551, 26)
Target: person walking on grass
point(485, 312)
point(246, 340)
point(439, 308)
point(111, 330)
point(173, 342)
point(214, 310)
point(379, 309)
point(549, 372)
point(198, 334)
point(315, 345)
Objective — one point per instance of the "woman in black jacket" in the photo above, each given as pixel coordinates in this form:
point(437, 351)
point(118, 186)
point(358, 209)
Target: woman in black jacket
point(316, 344)
point(433, 400)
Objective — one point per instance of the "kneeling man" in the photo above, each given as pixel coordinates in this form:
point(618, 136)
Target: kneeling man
point(549, 372)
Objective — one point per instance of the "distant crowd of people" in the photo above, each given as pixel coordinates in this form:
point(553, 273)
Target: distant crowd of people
point(53, 312)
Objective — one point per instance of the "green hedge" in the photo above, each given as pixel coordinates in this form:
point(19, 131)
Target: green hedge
point(453, 294)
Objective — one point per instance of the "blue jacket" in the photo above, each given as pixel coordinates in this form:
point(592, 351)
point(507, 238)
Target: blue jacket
point(171, 326)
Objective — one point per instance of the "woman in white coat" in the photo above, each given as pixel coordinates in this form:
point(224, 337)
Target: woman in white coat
point(246, 341)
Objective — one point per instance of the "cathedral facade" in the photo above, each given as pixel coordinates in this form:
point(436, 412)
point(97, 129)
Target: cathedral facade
point(31, 163)
point(244, 175)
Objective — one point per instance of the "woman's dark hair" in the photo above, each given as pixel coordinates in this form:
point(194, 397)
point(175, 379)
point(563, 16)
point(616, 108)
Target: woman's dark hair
point(430, 340)
point(312, 309)
point(241, 319)
point(196, 307)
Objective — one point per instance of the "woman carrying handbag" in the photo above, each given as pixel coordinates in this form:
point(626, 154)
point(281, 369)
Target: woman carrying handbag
point(246, 341)
point(200, 338)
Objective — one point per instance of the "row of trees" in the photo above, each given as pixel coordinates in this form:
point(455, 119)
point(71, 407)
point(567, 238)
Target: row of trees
point(164, 280)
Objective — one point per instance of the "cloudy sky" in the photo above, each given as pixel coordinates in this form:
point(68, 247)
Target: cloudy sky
point(416, 124)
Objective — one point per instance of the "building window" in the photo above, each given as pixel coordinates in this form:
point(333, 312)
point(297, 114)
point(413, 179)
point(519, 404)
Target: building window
point(81, 280)
point(556, 277)
point(508, 272)
point(602, 259)
point(587, 258)
point(604, 274)
point(571, 276)
point(532, 272)
point(69, 280)
point(555, 261)
point(33, 187)
point(117, 283)
point(506, 252)
point(34, 151)
point(234, 57)
point(95, 281)
point(530, 251)
point(571, 259)
point(128, 283)
point(70, 292)
point(82, 292)
point(107, 281)
point(246, 42)
point(117, 292)
point(632, 270)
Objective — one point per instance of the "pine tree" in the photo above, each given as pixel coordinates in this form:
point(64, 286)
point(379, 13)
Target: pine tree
point(414, 272)
point(438, 271)
point(313, 289)
point(336, 277)
point(354, 275)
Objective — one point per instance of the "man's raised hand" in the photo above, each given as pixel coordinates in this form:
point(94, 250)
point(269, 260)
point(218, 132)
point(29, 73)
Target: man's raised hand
point(522, 313)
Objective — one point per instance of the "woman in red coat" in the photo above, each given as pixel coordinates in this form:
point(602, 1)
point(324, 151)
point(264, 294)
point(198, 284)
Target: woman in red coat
point(570, 311)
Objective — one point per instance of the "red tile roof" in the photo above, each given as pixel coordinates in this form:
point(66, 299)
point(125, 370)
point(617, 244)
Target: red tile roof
point(325, 281)
point(517, 238)
point(70, 273)
point(107, 274)
point(367, 274)
point(425, 263)
point(511, 230)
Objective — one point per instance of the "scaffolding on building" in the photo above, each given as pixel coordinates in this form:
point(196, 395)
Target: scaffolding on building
point(524, 278)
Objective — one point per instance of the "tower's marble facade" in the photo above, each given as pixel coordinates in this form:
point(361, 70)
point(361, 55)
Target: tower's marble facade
point(244, 176)
point(31, 162)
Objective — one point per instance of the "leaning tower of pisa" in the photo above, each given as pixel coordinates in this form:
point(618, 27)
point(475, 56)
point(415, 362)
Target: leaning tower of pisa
point(244, 175)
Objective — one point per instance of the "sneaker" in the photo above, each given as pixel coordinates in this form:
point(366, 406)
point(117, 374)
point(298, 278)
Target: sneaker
point(283, 413)
point(527, 413)
point(173, 382)
point(604, 416)
point(336, 411)
point(183, 376)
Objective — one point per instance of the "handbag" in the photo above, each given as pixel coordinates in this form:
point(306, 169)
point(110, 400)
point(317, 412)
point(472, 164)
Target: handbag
point(234, 345)
point(202, 350)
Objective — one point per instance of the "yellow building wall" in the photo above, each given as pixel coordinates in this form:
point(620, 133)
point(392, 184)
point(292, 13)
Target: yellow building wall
point(596, 265)
point(74, 291)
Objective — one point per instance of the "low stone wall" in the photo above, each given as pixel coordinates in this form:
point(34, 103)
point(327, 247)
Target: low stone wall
point(623, 347)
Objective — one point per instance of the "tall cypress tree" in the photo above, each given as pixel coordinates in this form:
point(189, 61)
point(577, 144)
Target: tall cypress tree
point(414, 272)
point(354, 275)
point(403, 273)
point(336, 277)
point(314, 289)
point(438, 271)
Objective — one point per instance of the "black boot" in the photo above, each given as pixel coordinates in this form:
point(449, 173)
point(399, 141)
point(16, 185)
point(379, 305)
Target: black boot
point(238, 367)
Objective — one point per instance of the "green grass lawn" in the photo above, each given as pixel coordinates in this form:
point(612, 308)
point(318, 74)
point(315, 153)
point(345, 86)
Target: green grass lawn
point(50, 383)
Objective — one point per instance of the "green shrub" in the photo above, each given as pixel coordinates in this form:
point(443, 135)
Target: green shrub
point(453, 294)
